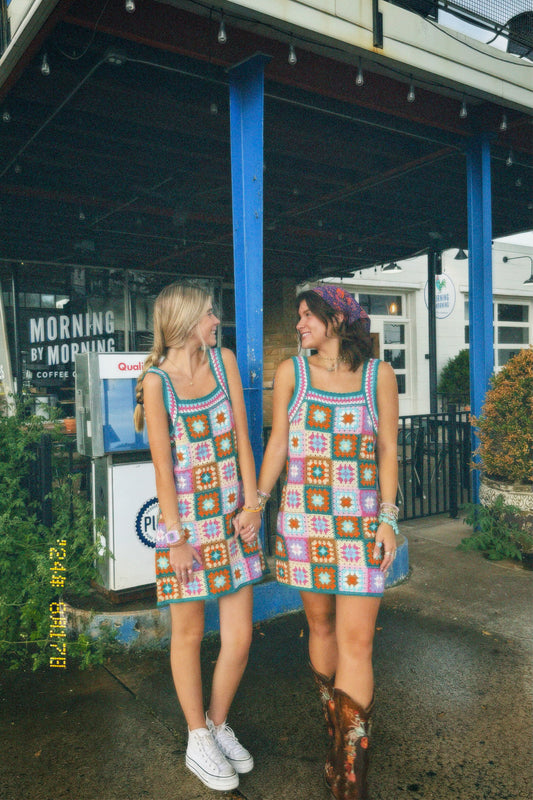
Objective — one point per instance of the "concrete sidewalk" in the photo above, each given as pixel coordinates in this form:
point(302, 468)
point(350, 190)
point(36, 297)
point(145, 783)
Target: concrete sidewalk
point(453, 663)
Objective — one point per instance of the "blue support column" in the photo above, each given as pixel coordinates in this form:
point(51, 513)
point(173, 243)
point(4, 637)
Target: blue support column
point(246, 122)
point(479, 277)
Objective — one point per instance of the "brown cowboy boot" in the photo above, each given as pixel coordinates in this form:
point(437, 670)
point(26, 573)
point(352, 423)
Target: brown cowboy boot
point(325, 688)
point(350, 754)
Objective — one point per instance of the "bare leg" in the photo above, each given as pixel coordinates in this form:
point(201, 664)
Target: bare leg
point(187, 633)
point(235, 638)
point(320, 612)
point(356, 623)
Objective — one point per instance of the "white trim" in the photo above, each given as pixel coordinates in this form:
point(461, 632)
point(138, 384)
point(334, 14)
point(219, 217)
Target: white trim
point(418, 46)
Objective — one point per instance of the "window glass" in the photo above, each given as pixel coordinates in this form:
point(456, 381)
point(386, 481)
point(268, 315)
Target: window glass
point(504, 355)
point(381, 304)
point(393, 333)
point(401, 383)
point(48, 301)
point(507, 335)
point(510, 312)
point(395, 357)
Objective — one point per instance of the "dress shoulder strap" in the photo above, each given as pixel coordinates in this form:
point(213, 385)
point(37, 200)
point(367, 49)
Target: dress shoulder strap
point(301, 383)
point(219, 369)
point(370, 383)
point(169, 395)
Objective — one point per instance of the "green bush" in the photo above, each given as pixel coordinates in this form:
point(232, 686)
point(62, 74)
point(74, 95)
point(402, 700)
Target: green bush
point(34, 562)
point(454, 381)
point(505, 427)
point(499, 531)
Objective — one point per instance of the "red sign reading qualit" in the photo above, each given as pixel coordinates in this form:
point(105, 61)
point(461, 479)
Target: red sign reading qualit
point(121, 365)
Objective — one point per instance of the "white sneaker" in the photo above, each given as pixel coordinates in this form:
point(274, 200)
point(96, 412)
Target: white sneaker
point(204, 758)
point(239, 758)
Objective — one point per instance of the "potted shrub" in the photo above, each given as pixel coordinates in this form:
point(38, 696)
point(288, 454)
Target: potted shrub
point(505, 451)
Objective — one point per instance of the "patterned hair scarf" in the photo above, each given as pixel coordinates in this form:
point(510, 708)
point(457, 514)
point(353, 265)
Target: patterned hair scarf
point(342, 301)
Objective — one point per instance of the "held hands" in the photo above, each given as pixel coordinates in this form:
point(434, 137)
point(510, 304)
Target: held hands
point(182, 558)
point(247, 524)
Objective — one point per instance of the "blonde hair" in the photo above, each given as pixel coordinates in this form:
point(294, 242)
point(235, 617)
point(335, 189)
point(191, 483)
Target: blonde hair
point(177, 310)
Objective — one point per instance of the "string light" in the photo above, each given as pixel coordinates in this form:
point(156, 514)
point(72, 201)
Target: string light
point(221, 35)
point(503, 123)
point(6, 116)
point(292, 59)
point(510, 158)
point(463, 113)
point(129, 5)
point(359, 78)
point(45, 66)
point(411, 93)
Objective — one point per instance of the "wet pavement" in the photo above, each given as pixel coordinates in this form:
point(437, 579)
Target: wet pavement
point(453, 664)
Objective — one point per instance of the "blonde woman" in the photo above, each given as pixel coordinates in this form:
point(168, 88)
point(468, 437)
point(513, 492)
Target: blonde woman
point(190, 395)
point(335, 416)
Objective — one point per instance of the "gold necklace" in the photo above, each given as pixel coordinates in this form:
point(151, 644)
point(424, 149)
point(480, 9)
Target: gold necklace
point(335, 361)
point(190, 379)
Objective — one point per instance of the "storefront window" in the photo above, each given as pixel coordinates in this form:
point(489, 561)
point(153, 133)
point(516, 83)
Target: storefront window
point(382, 309)
point(511, 329)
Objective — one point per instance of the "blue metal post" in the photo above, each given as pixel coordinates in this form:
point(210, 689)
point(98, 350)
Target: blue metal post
point(246, 123)
point(479, 277)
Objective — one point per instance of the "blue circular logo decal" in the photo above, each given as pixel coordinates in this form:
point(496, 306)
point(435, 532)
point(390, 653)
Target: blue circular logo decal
point(146, 522)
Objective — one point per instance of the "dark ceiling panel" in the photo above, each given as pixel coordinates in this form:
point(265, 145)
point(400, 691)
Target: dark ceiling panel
point(128, 166)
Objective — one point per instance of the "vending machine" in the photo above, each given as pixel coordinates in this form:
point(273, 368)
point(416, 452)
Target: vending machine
point(123, 483)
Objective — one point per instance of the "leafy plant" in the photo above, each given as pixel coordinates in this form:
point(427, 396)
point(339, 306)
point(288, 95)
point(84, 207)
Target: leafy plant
point(499, 530)
point(505, 427)
point(34, 557)
point(454, 381)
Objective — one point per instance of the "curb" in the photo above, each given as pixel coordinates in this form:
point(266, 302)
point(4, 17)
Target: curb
point(150, 628)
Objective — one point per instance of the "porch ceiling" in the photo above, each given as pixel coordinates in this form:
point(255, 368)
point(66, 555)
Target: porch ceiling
point(128, 166)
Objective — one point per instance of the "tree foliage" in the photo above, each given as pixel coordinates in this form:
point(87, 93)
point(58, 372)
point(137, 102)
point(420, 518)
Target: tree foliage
point(454, 381)
point(32, 556)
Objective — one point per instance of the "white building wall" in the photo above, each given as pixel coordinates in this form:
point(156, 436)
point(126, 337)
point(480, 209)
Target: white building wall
point(411, 284)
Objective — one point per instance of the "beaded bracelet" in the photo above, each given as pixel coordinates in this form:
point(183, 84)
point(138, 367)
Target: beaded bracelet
point(390, 509)
point(176, 537)
point(262, 500)
point(389, 520)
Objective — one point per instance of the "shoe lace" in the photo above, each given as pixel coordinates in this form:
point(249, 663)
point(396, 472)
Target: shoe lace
point(227, 739)
point(210, 750)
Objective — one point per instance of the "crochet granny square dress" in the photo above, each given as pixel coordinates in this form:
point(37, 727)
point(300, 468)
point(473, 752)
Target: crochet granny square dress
point(206, 474)
point(328, 515)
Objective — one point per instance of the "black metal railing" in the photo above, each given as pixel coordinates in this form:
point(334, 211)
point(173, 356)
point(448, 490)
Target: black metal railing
point(434, 455)
point(57, 460)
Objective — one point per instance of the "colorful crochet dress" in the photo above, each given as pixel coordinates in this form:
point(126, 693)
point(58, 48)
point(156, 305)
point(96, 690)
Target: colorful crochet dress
point(328, 515)
point(206, 474)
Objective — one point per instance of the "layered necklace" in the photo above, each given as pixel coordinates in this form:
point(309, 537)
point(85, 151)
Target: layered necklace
point(332, 364)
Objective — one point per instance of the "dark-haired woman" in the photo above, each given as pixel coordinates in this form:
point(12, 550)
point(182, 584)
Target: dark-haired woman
point(335, 416)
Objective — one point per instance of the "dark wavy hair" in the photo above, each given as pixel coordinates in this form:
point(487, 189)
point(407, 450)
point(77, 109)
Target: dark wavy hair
point(355, 342)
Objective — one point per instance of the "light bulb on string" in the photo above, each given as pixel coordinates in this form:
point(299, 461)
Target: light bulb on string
point(221, 35)
point(509, 161)
point(45, 66)
point(411, 96)
point(293, 58)
point(463, 112)
point(129, 5)
point(503, 123)
point(359, 78)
